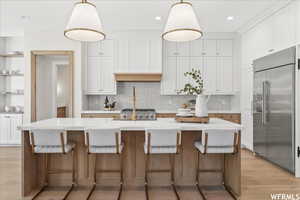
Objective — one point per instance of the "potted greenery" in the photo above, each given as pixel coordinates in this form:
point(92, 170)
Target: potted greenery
point(196, 89)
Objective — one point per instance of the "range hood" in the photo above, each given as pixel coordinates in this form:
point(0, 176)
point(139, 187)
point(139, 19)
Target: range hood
point(137, 77)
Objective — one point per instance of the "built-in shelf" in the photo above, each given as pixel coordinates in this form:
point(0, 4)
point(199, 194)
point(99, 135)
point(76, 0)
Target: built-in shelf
point(12, 55)
point(11, 75)
point(11, 93)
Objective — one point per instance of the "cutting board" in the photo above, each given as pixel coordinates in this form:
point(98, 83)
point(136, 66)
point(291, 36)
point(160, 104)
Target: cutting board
point(203, 120)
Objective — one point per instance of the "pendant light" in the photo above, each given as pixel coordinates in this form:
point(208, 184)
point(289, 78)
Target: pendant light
point(182, 24)
point(84, 23)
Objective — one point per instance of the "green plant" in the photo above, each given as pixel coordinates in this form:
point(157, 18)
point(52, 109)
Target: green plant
point(193, 89)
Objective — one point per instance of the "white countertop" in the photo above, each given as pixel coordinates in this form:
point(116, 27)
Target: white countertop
point(85, 123)
point(157, 111)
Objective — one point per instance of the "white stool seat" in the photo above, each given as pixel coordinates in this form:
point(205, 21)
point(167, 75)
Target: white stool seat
point(105, 149)
point(160, 149)
point(54, 149)
point(214, 149)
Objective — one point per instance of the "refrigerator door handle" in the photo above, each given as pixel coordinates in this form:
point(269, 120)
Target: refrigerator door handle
point(263, 115)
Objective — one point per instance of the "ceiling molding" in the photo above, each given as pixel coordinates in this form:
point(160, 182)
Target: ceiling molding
point(263, 16)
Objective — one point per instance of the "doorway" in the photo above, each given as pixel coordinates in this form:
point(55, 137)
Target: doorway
point(52, 84)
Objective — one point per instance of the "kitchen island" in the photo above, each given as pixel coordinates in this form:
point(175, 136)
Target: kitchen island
point(133, 137)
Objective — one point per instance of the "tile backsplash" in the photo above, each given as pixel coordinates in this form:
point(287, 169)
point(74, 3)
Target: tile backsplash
point(148, 96)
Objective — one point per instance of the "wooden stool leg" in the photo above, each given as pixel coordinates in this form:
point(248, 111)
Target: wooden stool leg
point(146, 176)
point(197, 177)
point(172, 163)
point(224, 184)
point(45, 185)
point(73, 176)
point(95, 179)
point(121, 176)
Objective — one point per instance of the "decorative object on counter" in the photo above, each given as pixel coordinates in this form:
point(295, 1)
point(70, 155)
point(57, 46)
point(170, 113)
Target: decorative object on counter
point(182, 24)
point(197, 89)
point(109, 106)
point(84, 24)
point(193, 119)
point(201, 105)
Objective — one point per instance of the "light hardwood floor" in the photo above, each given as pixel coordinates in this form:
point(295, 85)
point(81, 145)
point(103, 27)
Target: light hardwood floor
point(259, 180)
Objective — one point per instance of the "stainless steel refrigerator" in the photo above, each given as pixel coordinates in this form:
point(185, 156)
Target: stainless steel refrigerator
point(274, 108)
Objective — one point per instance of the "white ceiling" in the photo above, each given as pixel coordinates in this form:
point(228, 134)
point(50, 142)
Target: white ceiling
point(134, 14)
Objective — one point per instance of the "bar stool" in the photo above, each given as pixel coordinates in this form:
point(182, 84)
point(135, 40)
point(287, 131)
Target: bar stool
point(162, 141)
point(216, 141)
point(49, 142)
point(104, 141)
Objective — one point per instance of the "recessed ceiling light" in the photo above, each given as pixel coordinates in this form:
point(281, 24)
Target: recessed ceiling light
point(158, 18)
point(230, 18)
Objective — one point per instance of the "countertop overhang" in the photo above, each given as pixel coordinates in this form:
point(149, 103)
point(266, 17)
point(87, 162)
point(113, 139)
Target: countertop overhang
point(80, 124)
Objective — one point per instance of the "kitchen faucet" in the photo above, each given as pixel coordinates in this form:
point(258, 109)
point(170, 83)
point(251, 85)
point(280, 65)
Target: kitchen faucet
point(133, 115)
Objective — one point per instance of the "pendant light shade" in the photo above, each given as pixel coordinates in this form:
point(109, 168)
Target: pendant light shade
point(182, 24)
point(84, 23)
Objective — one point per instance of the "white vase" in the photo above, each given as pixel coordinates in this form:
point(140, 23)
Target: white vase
point(201, 105)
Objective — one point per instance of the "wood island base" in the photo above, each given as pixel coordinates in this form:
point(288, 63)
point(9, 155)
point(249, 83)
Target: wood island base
point(33, 165)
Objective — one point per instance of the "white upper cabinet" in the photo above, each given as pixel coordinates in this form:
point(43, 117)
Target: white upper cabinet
point(100, 68)
point(197, 48)
point(93, 72)
point(209, 75)
point(224, 48)
point(183, 65)
point(214, 58)
point(168, 82)
point(102, 48)
point(177, 48)
point(171, 48)
point(107, 78)
point(275, 33)
point(224, 75)
point(183, 48)
point(140, 55)
point(210, 47)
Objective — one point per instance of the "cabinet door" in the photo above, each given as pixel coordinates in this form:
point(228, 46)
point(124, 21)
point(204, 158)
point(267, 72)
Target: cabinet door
point(4, 129)
point(15, 122)
point(107, 79)
point(183, 65)
point(155, 55)
point(106, 48)
point(168, 82)
point(183, 48)
point(93, 49)
point(210, 47)
point(171, 48)
point(224, 47)
point(123, 56)
point(92, 79)
point(224, 75)
point(196, 48)
point(210, 73)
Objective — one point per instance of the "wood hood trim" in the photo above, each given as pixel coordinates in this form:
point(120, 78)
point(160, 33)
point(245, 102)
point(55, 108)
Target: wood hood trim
point(138, 77)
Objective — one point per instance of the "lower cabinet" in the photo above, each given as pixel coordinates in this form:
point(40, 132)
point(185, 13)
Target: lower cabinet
point(9, 133)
